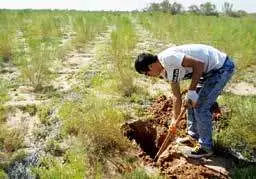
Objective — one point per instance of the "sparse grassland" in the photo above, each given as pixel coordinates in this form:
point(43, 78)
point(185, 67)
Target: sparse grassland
point(11, 140)
point(96, 119)
point(235, 36)
point(7, 36)
point(87, 27)
point(90, 124)
point(34, 43)
point(123, 40)
point(38, 38)
point(74, 166)
point(239, 132)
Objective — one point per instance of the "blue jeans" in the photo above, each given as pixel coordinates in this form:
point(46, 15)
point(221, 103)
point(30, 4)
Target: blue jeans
point(200, 118)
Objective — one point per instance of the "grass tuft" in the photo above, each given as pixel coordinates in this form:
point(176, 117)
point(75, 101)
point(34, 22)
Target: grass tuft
point(239, 132)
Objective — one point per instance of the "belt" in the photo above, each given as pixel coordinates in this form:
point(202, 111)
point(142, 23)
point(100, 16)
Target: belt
point(227, 65)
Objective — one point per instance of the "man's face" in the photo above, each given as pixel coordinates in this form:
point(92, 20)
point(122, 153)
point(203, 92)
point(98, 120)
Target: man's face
point(153, 71)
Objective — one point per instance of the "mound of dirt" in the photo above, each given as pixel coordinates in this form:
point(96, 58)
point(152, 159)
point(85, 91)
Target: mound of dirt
point(150, 134)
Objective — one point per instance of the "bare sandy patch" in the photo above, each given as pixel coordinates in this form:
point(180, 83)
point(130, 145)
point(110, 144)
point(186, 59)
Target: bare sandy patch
point(242, 88)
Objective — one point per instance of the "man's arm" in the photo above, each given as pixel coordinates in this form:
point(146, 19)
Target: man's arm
point(177, 101)
point(198, 69)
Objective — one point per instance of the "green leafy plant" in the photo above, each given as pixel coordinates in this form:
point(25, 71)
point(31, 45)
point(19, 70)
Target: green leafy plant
point(74, 166)
point(239, 133)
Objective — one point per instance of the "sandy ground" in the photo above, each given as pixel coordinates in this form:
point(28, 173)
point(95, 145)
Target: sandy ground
point(242, 89)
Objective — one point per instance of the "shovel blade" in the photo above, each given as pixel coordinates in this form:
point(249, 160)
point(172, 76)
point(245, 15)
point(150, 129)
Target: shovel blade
point(169, 138)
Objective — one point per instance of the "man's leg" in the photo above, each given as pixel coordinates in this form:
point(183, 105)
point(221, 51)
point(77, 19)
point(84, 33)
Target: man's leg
point(207, 96)
point(191, 120)
point(192, 124)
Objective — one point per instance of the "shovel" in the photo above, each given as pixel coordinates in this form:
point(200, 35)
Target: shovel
point(170, 135)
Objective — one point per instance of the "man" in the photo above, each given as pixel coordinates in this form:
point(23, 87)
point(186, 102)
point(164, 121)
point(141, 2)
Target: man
point(197, 62)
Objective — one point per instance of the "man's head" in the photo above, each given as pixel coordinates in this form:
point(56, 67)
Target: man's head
point(148, 64)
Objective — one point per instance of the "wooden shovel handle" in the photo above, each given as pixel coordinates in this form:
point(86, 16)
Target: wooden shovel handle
point(180, 116)
point(171, 131)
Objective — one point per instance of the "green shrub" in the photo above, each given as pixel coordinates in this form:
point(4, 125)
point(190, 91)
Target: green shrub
point(3, 98)
point(72, 115)
point(54, 148)
point(13, 140)
point(17, 156)
point(44, 114)
point(240, 131)
point(3, 175)
point(123, 40)
point(102, 131)
point(97, 123)
point(6, 45)
point(73, 166)
point(31, 109)
point(3, 91)
point(3, 114)
point(35, 67)
point(7, 36)
point(245, 173)
point(87, 26)
point(3, 134)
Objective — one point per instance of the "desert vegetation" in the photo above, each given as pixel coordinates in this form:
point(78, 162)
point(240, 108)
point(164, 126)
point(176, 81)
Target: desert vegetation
point(76, 132)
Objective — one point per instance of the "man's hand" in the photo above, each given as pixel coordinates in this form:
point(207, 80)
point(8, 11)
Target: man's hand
point(191, 99)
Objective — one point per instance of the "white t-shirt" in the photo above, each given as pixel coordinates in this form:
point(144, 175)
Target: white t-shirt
point(171, 59)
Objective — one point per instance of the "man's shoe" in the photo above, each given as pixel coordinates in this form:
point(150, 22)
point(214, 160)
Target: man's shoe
point(199, 152)
point(188, 140)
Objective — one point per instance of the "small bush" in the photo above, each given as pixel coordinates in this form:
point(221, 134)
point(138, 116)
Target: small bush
point(3, 134)
point(72, 115)
point(123, 40)
point(102, 132)
point(3, 91)
point(3, 175)
point(73, 166)
point(44, 114)
point(53, 147)
point(31, 109)
point(13, 140)
point(35, 67)
point(17, 156)
point(86, 28)
point(3, 115)
point(97, 123)
point(245, 173)
point(239, 134)
point(7, 42)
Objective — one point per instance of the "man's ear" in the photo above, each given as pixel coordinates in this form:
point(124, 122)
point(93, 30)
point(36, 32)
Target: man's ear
point(150, 66)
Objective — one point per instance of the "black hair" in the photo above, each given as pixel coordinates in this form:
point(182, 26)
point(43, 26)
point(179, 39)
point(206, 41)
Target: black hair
point(143, 61)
